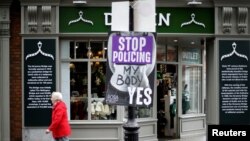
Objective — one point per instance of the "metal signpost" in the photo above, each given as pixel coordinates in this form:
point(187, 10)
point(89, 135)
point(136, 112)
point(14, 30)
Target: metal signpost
point(130, 72)
point(131, 127)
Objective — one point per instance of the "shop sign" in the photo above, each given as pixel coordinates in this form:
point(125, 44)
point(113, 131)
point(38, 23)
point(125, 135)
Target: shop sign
point(168, 20)
point(234, 82)
point(39, 80)
point(130, 69)
point(191, 55)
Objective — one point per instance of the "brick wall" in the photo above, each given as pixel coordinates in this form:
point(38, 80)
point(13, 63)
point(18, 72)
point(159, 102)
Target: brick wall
point(15, 72)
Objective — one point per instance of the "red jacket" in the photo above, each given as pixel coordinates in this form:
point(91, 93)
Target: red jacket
point(59, 125)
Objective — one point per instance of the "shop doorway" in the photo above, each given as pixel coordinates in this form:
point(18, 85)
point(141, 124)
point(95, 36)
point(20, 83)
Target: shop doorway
point(179, 61)
point(167, 100)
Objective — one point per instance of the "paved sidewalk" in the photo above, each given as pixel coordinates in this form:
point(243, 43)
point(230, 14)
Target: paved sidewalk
point(194, 138)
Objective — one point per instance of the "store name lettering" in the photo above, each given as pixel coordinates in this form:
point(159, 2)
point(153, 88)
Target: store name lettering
point(162, 19)
point(190, 55)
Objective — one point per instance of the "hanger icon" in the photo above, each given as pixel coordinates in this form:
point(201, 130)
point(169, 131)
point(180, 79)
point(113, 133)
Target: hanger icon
point(234, 52)
point(39, 45)
point(81, 19)
point(193, 21)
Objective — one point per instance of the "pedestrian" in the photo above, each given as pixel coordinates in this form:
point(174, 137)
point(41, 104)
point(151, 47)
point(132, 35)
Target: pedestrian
point(59, 126)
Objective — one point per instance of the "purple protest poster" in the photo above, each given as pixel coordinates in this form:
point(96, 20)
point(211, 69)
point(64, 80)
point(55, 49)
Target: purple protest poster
point(131, 69)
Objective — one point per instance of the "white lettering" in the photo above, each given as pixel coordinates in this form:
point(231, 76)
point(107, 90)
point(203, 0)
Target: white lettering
point(215, 132)
point(108, 18)
point(134, 44)
point(166, 19)
point(131, 43)
point(142, 43)
point(162, 19)
point(190, 55)
point(121, 43)
point(128, 42)
point(147, 94)
point(139, 96)
point(140, 92)
point(131, 57)
point(115, 55)
point(131, 92)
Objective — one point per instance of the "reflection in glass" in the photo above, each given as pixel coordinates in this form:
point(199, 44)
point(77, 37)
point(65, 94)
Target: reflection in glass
point(99, 109)
point(141, 112)
point(86, 80)
point(161, 52)
point(172, 53)
point(167, 53)
point(191, 94)
point(78, 91)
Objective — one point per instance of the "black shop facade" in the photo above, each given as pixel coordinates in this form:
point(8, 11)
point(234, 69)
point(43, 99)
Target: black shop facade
point(69, 53)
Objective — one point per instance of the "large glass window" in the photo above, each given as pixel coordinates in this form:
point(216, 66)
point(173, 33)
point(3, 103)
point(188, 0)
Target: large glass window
point(191, 80)
point(141, 112)
point(167, 53)
point(83, 66)
point(192, 89)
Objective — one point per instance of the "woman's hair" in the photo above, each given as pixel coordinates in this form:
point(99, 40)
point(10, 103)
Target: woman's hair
point(57, 96)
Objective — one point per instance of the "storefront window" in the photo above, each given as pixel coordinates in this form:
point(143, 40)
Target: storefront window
point(192, 80)
point(141, 112)
point(191, 55)
point(78, 90)
point(100, 110)
point(191, 95)
point(83, 74)
point(167, 53)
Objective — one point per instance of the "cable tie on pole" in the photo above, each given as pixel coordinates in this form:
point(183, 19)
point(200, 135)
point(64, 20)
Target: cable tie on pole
point(133, 4)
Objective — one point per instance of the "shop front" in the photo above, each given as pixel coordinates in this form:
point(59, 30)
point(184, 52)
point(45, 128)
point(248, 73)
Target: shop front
point(4, 70)
point(69, 54)
point(228, 86)
point(4, 88)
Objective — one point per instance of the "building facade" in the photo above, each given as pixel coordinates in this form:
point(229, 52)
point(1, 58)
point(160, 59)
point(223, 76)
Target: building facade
point(62, 46)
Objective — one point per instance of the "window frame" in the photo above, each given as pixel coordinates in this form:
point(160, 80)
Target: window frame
point(199, 64)
point(66, 60)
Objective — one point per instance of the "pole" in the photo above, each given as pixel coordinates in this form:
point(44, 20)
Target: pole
point(131, 127)
point(131, 15)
